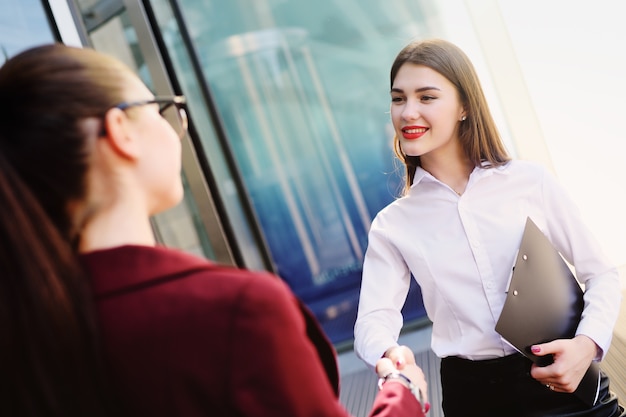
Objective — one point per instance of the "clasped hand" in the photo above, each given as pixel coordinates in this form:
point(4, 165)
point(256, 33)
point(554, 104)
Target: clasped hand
point(572, 358)
point(402, 359)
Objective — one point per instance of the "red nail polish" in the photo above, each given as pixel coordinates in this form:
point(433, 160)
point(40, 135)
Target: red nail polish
point(535, 349)
point(426, 407)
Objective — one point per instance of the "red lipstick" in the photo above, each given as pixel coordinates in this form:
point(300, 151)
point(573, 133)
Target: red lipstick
point(413, 132)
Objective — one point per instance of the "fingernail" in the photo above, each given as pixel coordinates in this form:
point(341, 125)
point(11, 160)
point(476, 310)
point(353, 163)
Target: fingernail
point(426, 407)
point(399, 362)
point(535, 349)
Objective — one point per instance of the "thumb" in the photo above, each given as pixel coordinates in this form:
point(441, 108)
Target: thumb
point(545, 348)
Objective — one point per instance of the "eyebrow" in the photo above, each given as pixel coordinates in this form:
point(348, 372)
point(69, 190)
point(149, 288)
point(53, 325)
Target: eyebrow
point(417, 90)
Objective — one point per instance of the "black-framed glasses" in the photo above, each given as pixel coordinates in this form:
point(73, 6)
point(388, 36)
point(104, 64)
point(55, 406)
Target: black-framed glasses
point(171, 108)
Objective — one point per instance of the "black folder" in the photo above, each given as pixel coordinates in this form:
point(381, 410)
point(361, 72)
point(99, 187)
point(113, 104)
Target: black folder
point(544, 302)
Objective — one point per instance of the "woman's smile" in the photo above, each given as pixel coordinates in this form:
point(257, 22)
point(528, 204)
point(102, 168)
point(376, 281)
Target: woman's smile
point(413, 132)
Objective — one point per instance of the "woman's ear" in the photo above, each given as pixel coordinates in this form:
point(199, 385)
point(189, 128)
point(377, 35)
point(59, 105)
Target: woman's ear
point(119, 135)
point(464, 113)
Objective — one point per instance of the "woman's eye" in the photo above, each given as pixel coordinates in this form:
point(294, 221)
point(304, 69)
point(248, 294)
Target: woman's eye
point(428, 98)
point(396, 99)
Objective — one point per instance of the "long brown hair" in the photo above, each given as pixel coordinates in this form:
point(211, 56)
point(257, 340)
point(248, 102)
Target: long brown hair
point(478, 134)
point(50, 363)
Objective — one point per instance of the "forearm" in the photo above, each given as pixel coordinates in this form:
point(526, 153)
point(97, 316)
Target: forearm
point(603, 297)
point(373, 336)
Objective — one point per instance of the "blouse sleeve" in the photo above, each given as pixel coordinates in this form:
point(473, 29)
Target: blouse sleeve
point(571, 236)
point(384, 288)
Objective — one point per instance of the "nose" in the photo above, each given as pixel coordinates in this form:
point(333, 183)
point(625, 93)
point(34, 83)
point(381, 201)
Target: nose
point(410, 111)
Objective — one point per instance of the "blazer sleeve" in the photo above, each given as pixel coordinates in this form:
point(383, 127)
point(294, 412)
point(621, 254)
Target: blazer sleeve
point(395, 400)
point(276, 369)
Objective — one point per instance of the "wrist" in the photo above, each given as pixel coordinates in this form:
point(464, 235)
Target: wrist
point(404, 380)
point(387, 353)
point(395, 377)
point(589, 345)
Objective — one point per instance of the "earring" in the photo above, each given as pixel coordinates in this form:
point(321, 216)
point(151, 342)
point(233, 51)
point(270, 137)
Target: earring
point(463, 118)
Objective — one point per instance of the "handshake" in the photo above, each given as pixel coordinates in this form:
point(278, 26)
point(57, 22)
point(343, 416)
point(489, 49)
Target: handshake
point(398, 366)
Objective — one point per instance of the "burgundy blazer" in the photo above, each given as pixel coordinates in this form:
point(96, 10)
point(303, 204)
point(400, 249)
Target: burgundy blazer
point(186, 337)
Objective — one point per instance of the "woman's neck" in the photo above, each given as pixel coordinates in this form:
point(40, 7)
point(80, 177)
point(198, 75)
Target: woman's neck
point(116, 226)
point(454, 172)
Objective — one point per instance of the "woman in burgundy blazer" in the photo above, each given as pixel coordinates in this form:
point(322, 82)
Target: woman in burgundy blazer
point(213, 338)
point(85, 159)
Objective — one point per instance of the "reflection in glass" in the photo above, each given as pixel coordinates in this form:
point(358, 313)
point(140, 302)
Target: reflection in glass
point(291, 154)
point(227, 190)
point(302, 90)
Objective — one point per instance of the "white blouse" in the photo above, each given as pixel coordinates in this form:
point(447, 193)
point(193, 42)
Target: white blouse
point(461, 250)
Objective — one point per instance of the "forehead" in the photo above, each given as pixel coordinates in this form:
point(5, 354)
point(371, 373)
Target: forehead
point(412, 76)
point(135, 88)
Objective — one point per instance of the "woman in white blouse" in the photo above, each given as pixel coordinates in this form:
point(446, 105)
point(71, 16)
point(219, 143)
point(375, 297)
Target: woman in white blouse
point(456, 230)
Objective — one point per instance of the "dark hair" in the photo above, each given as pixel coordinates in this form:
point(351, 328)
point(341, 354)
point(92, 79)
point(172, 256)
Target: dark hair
point(50, 363)
point(478, 134)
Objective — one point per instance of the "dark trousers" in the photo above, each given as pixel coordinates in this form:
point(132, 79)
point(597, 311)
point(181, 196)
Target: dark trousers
point(503, 387)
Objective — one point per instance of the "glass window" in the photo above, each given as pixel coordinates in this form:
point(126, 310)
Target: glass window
point(234, 198)
point(23, 24)
point(111, 31)
point(302, 89)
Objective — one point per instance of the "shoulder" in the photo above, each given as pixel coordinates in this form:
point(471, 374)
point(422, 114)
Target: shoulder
point(524, 167)
point(536, 174)
point(245, 290)
point(265, 295)
point(389, 213)
point(519, 174)
point(160, 273)
point(189, 296)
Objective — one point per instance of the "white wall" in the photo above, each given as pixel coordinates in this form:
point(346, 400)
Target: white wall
point(558, 70)
point(573, 58)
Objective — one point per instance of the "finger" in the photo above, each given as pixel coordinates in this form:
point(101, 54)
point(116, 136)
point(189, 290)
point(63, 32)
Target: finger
point(552, 387)
point(400, 356)
point(542, 374)
point(408, 355)
point(421, 382)
point(538, 350)
point(556, 346)
point(384, 367)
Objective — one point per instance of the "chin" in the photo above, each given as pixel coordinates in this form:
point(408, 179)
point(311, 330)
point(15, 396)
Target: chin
point(412, 149)
point(175, 201)
point(412, 152)
point(167, 202)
